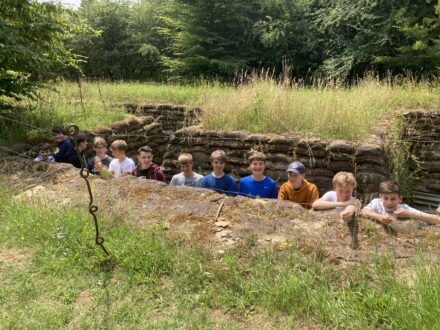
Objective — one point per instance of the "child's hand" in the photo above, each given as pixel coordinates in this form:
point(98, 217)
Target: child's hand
point(402, 213)
point(346, 215)
point(386, 219)
point(98, 164)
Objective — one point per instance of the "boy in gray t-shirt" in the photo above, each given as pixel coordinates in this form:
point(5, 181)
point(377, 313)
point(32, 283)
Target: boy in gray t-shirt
point(388, 207)
point(187, 177)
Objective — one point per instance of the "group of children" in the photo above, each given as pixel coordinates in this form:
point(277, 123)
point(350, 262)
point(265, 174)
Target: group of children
point(385, 209)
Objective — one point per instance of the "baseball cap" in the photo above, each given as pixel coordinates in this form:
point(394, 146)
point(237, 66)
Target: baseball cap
point(296, 167)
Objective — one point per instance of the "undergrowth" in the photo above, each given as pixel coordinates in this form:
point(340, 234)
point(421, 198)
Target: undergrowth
point(160, 281)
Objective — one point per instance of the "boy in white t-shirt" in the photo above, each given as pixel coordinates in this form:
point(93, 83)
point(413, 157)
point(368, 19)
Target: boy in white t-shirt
point(388, 208)
point(121, 165)
point(341, 197)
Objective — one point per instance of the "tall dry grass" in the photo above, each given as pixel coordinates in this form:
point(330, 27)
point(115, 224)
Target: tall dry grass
point(258, 103)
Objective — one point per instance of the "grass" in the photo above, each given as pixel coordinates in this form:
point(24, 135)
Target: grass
point(327, 110)
point(163, 282)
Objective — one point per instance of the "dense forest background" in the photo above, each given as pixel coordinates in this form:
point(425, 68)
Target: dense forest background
point(187, 40)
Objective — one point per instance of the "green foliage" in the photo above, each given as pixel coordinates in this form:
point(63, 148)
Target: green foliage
point(32, 50)
point(210, 38)
point(160, 282)
point(128, 45)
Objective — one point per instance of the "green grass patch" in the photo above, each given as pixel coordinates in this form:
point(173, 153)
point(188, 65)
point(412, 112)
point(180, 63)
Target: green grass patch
point(262, 105)
point(162, 282)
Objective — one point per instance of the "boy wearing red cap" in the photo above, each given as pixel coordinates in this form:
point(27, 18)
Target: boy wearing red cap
point(298, 189)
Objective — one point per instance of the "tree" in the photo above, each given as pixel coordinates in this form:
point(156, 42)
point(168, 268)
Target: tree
point(286, 31)
point(32, 50)
point(210, 37)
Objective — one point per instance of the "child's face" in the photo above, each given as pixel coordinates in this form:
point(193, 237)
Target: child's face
point(44, 154)
point(145, 158)
point(59, 137)
point(295, 179)
point(118, 154)
point(82, 146)
point(186, 168)
point(390, 201)
point(257, 167)
point(343, 193)
point(100, 150)
point(217, 165)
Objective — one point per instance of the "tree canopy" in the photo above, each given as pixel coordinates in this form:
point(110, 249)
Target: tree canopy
point(32, 44)
point(187, 39)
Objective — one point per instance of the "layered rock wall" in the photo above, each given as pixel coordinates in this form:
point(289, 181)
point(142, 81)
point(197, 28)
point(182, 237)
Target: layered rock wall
point(422, 130)
point(322, 158)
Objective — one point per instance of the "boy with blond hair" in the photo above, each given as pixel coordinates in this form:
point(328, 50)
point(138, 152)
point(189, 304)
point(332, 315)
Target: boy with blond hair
point(257, 184)
point(218, 180)
point(101, 161)
point(121, 165)
point(344, 183)
point(146, 168)
point(297, 189)
point(388, 207)
point(187, 177)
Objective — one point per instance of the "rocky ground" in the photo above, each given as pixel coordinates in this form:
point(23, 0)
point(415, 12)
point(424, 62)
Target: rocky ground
point(220, 223)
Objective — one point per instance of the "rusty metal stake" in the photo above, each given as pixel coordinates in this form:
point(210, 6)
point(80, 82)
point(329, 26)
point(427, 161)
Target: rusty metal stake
point(353, 227)
point(219, 210)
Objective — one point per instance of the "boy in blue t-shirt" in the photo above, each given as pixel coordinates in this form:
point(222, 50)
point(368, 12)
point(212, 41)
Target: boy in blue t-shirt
point(218, 180)
point(65, 146)
point(257, 184)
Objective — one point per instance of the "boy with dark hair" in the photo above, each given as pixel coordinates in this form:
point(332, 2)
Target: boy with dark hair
point(146, 167)
point(187, 177)
point(218, 180)
point(344, 184)
point(101, 161)
point(65, 146)
point(297, 189)
point(257, 184)
point(388, 208)
point(121, 165)
point(44, 154)
point(72, 158)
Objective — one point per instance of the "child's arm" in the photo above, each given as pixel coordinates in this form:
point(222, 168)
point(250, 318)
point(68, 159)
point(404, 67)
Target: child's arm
point(322, 204)
point(422, 216)
point(386, 219)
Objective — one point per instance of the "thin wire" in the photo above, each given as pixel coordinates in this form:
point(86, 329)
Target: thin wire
point(16, 152)
point(27, 124)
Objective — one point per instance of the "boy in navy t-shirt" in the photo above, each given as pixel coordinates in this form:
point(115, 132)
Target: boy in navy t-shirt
point(218, 180)
point(65, 146)
point(257, 184)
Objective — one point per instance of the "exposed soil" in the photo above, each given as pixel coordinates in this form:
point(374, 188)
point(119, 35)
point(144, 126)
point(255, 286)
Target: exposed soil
point(190, 214)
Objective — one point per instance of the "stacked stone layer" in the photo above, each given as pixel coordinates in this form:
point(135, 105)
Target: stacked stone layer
point(172, 117)
point(422, 131)
point(322, 159)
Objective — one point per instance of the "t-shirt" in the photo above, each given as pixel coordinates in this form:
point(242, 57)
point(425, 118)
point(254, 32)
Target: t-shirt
point(181, 180)
point(50, 159)
point(117, 167)
point(305, 195)
point(91, 164)
point(224, 185)
point(265, 188)
point(330, 196)
point(154, 172)
point(65, 148)
point(73, 159)
point(377, 207)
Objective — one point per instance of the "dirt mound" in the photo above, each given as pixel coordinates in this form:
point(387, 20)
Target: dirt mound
point(193, 214)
